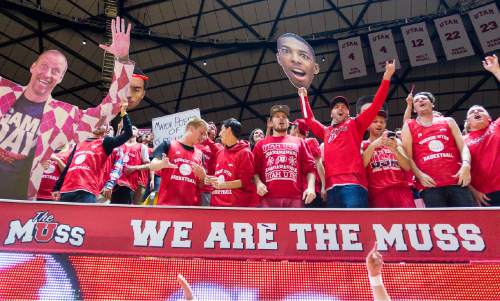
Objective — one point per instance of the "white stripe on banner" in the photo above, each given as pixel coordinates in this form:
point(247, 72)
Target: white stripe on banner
point(485, 20)
point(383, 49)
point(418, 44)
point(351, 56)
point(456, 43)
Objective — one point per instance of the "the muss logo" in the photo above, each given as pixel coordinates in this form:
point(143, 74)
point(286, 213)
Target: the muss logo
point(44, 228)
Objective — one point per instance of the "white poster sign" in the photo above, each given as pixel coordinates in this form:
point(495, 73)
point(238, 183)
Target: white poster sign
point(383, 49)
point(351, 56)
point(456, 43)
point(418, 44)
point(485, 20)
point(171, 127)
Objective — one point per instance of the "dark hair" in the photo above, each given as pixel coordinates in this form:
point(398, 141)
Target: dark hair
point(429, 95)
point(250, 138)
point(298, 38)
point(234, 125)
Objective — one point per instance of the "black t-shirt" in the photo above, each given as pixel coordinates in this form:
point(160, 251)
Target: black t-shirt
point(18, 136)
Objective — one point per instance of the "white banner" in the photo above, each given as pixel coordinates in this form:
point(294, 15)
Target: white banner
point(486, 20)
point(418, 44)
point(171, 127)
point(351, 56)
point(456, 43)
point(383, 49)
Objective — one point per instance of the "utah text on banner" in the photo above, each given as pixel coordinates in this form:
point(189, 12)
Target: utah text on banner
point(418, 44)
point(351, 57)
point(485, 20)
point(456, 43)
point(294, 234)
point(383, 49)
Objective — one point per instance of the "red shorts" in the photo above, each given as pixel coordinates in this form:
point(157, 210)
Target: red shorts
point(391, 197)
point(281, 203)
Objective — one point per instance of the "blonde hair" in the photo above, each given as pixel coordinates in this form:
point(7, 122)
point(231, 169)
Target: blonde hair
point(196, 122)
point(56, 52)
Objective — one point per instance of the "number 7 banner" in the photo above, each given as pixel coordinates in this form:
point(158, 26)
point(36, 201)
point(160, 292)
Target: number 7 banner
point(383, 49)
point(485, 21)
point(351, 56)
point(456, 43)
point(418, 44)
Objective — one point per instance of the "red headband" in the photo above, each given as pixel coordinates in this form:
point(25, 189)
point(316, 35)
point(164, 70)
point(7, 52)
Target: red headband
point(143, 77)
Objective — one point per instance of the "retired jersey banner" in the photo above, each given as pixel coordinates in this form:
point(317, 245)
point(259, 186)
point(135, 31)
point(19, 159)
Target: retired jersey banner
point(418, 44)
point(383, 49)
point(456, 43)
point(294, 234)
point(351, 56)
point(486, 20)
point(172, 127)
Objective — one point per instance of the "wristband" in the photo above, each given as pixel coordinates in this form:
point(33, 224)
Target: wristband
point(376, 280)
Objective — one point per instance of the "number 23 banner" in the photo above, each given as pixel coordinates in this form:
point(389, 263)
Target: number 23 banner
point(485, 20)
point(418, 44)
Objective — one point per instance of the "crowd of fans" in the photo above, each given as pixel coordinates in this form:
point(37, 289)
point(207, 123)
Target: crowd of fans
point(354, 162)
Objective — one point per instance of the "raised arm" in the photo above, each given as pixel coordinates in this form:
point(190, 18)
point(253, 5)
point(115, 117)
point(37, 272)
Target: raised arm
point(315, 126)
point(364, 119)
point(374, 264)
point(490, 64)
point(119, 89)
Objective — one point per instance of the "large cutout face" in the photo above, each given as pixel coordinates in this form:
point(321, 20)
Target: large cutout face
point(296, 57)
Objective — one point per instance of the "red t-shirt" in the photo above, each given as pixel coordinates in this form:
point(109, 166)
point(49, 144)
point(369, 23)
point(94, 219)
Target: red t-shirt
point(384, 171)
point(235, 163)
point(50, 177)
point(342, 156)
point(484, 146)
point(315, 151)
point(435, 151)
point(86, 170)
point(282, 164)
point(132, 156)
point(179, 186)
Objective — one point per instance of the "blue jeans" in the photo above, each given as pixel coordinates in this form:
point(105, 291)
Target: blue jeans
point(78, 196)
point(347, 196)
point(447, 196)
point(495, 198)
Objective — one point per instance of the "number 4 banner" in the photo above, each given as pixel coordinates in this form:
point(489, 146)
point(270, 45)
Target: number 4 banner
point(351, 56)
point(485, 20)
point(383, 49)
point(418, 44)
point(456, 43)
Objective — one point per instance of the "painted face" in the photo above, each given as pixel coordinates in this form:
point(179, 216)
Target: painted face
point(378, 126)
point(339, 112)
point(46, 73)
point(137, 92)
point(297, 62)
point(422, 103)
point(478, 118)
point(280, 122)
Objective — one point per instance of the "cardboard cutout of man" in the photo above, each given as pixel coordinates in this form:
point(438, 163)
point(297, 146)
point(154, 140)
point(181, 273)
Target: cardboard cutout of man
point(297, 59)
point(33, 124)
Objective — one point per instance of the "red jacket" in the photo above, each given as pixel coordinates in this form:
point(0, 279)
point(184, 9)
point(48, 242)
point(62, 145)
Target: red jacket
point(235, 163)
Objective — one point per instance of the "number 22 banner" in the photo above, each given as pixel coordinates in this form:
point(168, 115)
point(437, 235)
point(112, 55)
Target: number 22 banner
point(418, 44)
point(456, 43)
point(485, 21)
point(383, 49)
point(351, 56)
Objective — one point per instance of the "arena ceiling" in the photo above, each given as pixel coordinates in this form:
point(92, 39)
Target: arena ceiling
point(219, 55)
